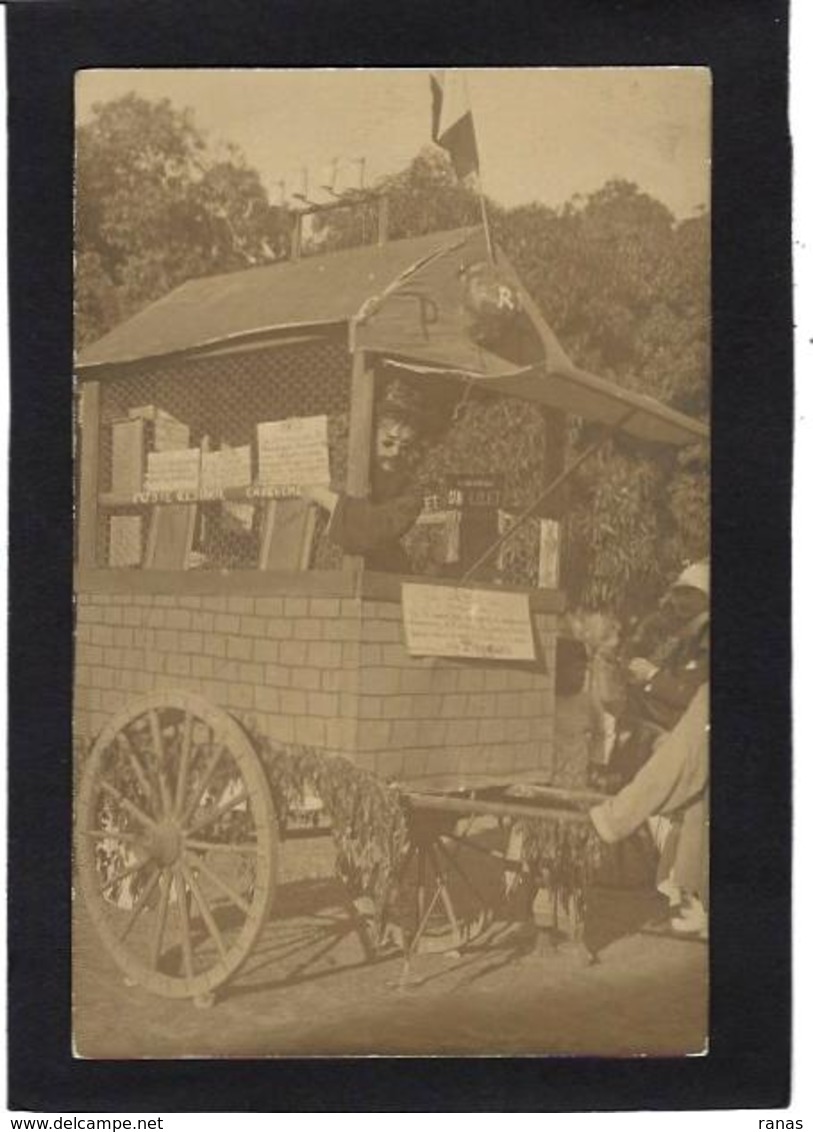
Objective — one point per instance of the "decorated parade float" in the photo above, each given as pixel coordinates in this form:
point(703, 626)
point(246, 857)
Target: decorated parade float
point(245, 648)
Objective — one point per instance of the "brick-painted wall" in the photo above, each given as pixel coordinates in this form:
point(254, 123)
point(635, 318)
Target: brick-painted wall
point(329, 672)
point(449, 722)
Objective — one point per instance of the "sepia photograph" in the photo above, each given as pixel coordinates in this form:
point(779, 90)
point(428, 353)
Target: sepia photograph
point(393, 578)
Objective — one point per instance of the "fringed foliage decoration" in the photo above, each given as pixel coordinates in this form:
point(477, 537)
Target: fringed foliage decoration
point(563, 857)
point(367, 819)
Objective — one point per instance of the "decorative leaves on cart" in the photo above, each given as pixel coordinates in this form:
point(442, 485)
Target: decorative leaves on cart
point(374, 834)
point(368, 822)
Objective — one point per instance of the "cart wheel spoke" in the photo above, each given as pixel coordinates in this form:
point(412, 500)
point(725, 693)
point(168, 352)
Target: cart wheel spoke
point(221, 846)
point(183, 919)
point(183, 767)
point(220, 883)
point(117, 878)
point(139, 905)
point(125, 803)
point(200, 789)
point(160, 920)
point(205, 910)
point(208, 816)
point(138, 770)
point(160, 757)
point(122, 835)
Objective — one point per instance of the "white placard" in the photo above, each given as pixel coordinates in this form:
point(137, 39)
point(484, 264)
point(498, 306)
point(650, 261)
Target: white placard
point(228, 468)
point(294, 452)
point(177, 472)
point(549, 551)
point(449, 621)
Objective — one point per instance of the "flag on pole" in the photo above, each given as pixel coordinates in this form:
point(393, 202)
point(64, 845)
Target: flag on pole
point(452, 121)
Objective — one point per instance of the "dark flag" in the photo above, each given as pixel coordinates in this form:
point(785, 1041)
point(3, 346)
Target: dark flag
point(452, 121)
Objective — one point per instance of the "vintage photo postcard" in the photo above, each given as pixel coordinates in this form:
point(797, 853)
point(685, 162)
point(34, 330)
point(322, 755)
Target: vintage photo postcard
point(393, 565)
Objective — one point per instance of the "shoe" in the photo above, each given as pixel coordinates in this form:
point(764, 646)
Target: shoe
point(671, 891)
point(693, 920)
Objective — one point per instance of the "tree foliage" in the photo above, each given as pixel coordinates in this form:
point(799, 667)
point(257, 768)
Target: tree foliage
point(155, 205)
point(424, 197)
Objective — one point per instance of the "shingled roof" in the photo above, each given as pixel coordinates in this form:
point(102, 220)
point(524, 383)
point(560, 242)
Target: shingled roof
point(319, 290)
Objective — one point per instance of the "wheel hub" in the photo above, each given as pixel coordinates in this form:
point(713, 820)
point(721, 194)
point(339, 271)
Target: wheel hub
point(165, 843)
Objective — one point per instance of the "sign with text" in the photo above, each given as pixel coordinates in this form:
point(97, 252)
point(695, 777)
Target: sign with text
point(294, 452)
point(228, 468)
point(450, 621)
point(175, 471)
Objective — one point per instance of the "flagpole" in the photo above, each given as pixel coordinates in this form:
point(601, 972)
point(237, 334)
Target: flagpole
point(486, 226)
point(480, 193)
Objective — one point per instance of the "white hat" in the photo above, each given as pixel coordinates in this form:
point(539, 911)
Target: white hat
point(698, 576)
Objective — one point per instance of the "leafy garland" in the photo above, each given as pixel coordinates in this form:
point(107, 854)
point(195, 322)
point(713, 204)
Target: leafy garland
point(370, 828)
point(368, 821)
point(563, 857)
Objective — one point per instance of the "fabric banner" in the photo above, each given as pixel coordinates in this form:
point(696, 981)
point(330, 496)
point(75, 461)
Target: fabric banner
point(452, 121)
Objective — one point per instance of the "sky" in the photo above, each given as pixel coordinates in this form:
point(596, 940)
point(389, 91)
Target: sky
point(543, 134)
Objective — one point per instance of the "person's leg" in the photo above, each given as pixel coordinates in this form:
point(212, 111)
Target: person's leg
point(666, 834)
point(692, 868)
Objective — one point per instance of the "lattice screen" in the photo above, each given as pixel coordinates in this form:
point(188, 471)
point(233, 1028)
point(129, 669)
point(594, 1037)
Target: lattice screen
point(222, 399)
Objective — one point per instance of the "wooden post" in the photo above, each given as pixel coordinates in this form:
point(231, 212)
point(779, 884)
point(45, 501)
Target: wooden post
point(383, 218)
point(359, 445)
point(296, 236)
point(89, 424)
point(554, 461)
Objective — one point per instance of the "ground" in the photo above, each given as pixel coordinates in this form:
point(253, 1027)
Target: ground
point(309, 990)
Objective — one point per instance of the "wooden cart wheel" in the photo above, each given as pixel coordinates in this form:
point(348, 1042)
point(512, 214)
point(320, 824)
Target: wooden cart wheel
point(176, 844)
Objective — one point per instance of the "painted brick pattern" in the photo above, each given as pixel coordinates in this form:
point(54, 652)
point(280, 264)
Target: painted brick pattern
point(332, 673)
point(448, 722)
point(288, 663)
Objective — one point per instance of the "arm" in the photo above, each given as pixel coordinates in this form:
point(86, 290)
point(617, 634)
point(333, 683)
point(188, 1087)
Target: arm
point(358, 525)
point(676, 773)
point(676, 689)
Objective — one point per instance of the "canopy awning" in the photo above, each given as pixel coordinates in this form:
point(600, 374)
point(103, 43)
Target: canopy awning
point(421, 324)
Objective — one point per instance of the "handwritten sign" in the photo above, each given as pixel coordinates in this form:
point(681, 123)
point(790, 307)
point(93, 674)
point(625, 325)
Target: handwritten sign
point(175, 471)
point(448, 621)
point(293, 452)
point(228, 468)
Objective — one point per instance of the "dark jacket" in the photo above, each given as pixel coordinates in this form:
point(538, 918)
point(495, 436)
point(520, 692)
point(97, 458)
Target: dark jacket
point(683, 667)
point(683, 660)
point(374, 527)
